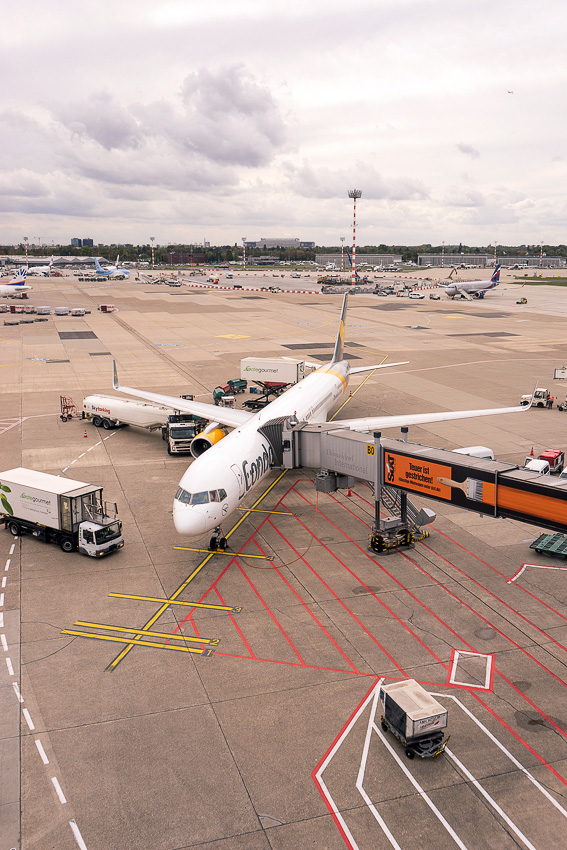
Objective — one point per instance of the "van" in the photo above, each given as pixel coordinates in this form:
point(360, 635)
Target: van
point(537, 465)
point(476, 451)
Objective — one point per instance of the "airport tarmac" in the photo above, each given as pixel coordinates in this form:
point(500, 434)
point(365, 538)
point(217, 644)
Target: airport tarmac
point(274, 740)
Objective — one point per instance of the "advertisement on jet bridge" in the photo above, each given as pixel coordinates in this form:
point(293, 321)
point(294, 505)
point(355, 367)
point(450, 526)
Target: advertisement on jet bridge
point(488, 487)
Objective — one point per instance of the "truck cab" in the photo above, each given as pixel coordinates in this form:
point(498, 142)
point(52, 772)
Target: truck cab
point(97, 540)
point(534, 464)
point(540, 398)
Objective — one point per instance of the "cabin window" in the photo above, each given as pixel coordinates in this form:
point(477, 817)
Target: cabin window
point(200, 498)
point(183, 496)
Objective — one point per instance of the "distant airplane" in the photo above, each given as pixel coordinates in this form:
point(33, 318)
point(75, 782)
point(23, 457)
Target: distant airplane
point(473, 288)
point(111, 272)
point(41, 270)
point(17, 284)
point(227, 467)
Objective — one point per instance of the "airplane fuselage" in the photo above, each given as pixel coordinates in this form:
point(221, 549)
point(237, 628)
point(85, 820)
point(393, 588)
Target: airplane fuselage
point(217, 481)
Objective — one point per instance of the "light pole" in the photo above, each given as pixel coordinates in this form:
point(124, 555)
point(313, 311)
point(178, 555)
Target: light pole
point(26, 244)
point(244, 252)
point(495, 244)
point(442, 255)
point(540, 254)
point(152, 240)
point(354, 194)
point(342, 253)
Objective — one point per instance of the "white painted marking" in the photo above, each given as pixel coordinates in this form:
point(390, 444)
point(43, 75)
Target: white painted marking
point(8, 562)
point(17, 692)
point(489, 661)
point(1, 600)
point(12, 548)
point(492, 802)
point(4, 580)
point(106, 438)
point(58, 789)
point(91, 448)
point(9, 666)
point(41, 751)
point(29, 721)
point(362, 769)
point(1, 620)
point(66, 468)
point(80, 456)
point(501, 747)
point(4, 642)
point(72, 462)
point(78, 836)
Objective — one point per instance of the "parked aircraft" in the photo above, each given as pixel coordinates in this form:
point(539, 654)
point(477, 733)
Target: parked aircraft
point(111, 272)
point(473, 288)
point(227, 467)
point(17, 284)
point(41, 270)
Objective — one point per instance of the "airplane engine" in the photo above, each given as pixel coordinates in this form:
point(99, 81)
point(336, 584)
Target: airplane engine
point(203, 441)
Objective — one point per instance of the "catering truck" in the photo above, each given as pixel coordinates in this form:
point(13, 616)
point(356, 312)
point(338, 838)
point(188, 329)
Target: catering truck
point(284, 370)
point(59, 510)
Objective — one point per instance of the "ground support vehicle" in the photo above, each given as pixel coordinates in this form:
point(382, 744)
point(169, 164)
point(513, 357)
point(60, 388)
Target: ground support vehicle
point(180, 430)
point(59, 510)
point(522, 301)
point(555, 458)
point(414, 717)
point(68, 408)
point(220, 392)
point(237, 385)
point(563, 405)
point(112, 412)
point(534, 464)
point(551, 544)
point(269, 389)
point(282, 370)
point(540, 398)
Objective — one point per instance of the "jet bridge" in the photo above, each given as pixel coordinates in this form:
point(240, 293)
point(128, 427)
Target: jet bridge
point(484, 486)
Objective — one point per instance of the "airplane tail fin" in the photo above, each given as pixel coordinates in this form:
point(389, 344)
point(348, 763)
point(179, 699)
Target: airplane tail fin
point(338, 353)
point(97, 265)
point(19, 277)
point(496, 275)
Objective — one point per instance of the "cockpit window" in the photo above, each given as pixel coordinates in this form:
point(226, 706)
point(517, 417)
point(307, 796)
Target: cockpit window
point(200, 498)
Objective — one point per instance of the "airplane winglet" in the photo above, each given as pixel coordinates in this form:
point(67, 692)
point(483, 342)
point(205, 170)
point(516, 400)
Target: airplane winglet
point(115, 383)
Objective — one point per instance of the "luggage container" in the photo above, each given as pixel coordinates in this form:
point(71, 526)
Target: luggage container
point(43, 311)
point(61, 311)
point(414, 717)
point(78, 311)
point(107, 308)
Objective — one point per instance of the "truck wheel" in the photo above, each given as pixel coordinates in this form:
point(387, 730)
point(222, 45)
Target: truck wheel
point(107, 424)
point(97, 421)
point(66, 544)
point(63, 418)
point(410, 753)
point(540, 404)
point(169, 451)
point(14, 528)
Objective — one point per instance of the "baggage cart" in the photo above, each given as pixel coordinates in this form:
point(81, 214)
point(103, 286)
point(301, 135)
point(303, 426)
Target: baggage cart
point(414, 717)
point(551, 544)
point(68, 408)
point(237, 385)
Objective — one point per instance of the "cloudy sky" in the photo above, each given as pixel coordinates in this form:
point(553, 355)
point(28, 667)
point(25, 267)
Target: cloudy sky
point(217, 119)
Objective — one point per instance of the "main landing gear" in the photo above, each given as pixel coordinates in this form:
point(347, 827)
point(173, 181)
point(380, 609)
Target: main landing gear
point(217, 540)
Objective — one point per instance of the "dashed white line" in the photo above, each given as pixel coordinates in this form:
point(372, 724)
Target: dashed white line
point(1, 620)
point(4, 642)
point(80, 456)
point(66, 468)
point(7, 567)
point(91, 448)
point(1, 600)
point(12, 548)
point(73, 461)
point(29, 721)
point(58, 789)
point(41, 751)
point(17, 692)
point(4, 580)
point(77, 834)
point(9, 666)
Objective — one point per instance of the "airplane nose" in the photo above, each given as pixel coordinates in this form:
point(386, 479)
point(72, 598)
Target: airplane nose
point(188, 521)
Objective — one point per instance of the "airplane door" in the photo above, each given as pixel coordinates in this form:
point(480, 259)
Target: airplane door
point(240, 478)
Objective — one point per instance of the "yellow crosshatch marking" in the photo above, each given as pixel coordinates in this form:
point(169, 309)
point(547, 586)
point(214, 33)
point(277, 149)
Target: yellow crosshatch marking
point(209, 641)
point(135, 642)
point(226, 552)
point(233, 610)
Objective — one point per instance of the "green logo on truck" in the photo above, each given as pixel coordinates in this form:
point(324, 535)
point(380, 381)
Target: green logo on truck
point(5, 503)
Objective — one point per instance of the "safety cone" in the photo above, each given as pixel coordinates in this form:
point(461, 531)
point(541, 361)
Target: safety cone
point(349, 494)
point(85, 435)
point(532, 452)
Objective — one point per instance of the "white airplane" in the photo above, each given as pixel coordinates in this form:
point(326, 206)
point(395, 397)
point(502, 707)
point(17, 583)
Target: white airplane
point(473, 288)
point(111, 272)
point(228, 466)
point(41, 270)
point(17, 284)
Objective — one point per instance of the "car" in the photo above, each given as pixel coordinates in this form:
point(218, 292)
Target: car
point(295, 275)
point(434, 296)
point(522, 301)
point(416, 295)
point(380, 292)
point(172, 283)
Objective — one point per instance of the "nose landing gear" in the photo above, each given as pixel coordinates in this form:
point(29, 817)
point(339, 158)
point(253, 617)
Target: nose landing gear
point(217, 540)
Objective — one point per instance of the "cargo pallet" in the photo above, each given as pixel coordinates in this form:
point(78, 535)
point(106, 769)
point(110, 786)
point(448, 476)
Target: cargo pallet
point(551, 544)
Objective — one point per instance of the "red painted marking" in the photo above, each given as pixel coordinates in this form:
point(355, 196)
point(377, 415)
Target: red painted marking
point(236, 626)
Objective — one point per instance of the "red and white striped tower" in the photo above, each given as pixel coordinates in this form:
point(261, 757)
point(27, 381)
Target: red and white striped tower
point(244, 252)
point(152, 240)
point(342, 253)
point(442, 255)
point(354, 194)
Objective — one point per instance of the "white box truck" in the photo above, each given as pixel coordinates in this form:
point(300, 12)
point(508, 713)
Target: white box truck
point(273, 370)
point(414, 717)
point(59, 510)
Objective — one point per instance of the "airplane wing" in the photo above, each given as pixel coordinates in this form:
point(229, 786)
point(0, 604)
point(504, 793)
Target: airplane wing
point(224, 415)
point(355, 369)
point(377, 423)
